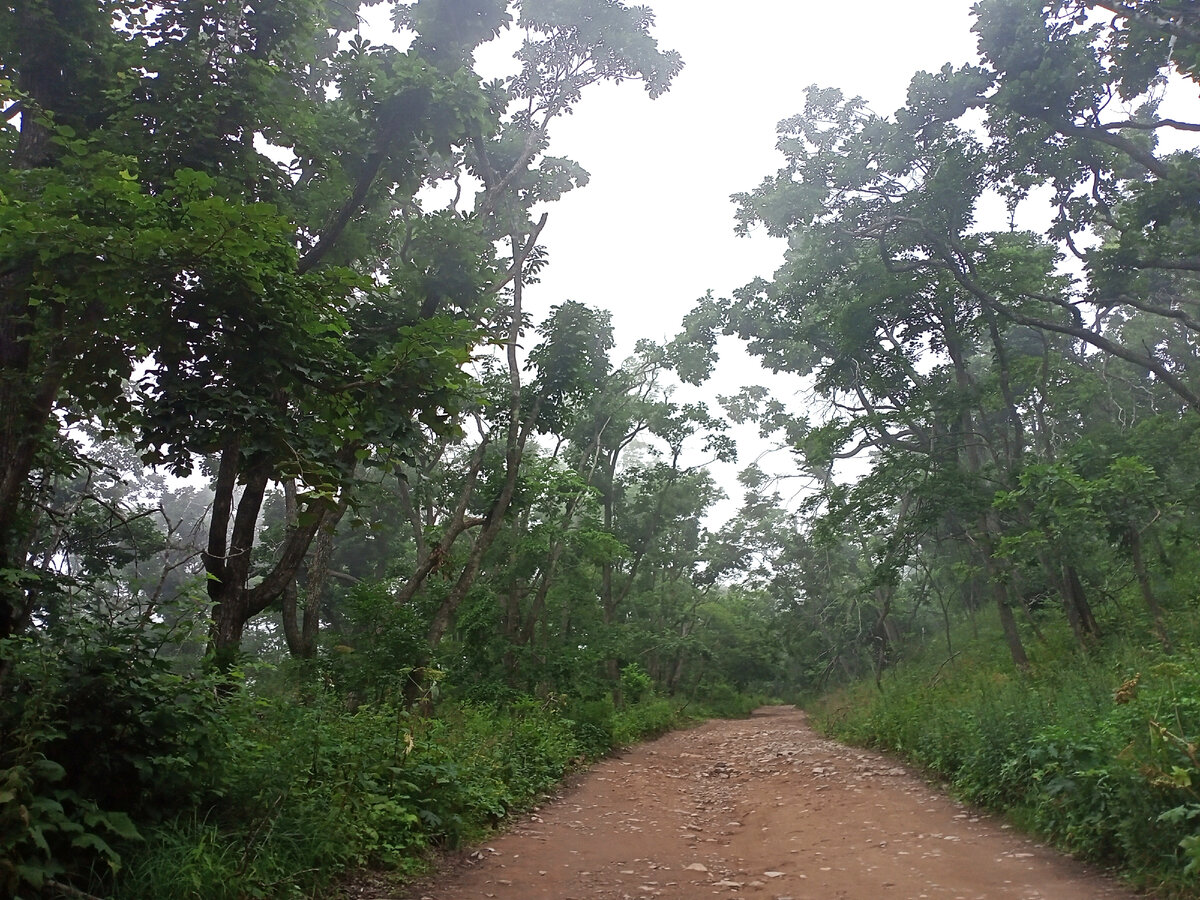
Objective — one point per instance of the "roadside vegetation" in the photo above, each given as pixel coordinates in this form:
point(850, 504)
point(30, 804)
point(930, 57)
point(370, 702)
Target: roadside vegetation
point(1094, 752)
point(137, 783)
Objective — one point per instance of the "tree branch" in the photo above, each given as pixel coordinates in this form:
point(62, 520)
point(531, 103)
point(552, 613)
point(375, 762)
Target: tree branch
point(1151, 126)
point(353, 204)
point(1145, 158)
point(1154, 22)
point(218, 530)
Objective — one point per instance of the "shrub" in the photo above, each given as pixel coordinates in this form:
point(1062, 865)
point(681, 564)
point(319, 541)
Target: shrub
point(594, 724)
point(100, 731)
point(650, 717)
point(1091, 752)
point(723, 701)
point(319, 787)
point(635, 683)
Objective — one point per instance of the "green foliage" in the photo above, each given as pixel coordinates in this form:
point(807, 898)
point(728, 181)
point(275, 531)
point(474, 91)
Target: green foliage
point(321, 787)
point(300, 316)
point(647, 718)
point(962, 361)
point(370, 655)
point(1097, 754)
point(220, 249)
point(99, 732)
point(47, 831)
point(723, 701)
point(594, 724)
point(635, 682)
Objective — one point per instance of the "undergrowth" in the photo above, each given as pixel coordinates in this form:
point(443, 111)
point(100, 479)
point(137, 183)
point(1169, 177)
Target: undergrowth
point(319, 789)
point(121, 778)
point(1096, 751)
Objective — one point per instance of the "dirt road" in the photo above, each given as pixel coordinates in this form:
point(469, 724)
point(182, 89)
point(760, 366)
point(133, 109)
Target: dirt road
point(761, 808)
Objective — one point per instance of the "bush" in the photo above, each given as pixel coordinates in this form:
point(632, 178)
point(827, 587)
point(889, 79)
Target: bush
point(650, 717)
point(269, 785)
point(1096, 753)
point(318, 788)
point(99, 732)
point(594, 724)
point(723, 701)
point(635, 683)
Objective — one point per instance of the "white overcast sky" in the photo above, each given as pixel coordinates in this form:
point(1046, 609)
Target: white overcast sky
point(653, 230)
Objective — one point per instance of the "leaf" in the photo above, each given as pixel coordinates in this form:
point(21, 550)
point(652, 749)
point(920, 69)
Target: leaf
point(1179, 814)
point(49, 770)
point(95, 842)
point(120, 824)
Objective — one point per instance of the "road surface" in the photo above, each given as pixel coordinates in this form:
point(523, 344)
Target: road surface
point(759, 808)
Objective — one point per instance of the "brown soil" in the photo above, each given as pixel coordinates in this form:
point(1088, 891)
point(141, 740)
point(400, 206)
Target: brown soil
point(760, 808)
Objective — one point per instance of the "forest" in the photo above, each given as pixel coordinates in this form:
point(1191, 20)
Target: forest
point(319, 552)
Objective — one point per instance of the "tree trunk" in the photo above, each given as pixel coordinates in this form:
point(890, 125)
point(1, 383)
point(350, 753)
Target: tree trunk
point(1143, 578)
point(1079, 604)
point(229, 617)
point(1057, 576)
point(289, 602)
point(1008, 622)
point(512, 619)
point(430, 559)
point(229, 555)
point(29, 387)
point(302, 636)
point(519, 430)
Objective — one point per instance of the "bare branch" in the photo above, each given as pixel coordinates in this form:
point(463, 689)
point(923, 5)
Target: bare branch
point(1167, 26)
point(1152, 126)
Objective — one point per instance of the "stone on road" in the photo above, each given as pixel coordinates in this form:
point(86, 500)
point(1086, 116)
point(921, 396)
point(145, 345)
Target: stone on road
point(762, 808)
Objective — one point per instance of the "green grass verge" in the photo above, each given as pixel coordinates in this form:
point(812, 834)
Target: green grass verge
point(314, 790)
point(1096, 751)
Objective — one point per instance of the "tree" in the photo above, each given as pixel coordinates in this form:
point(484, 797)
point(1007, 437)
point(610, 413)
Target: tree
point(292, 312)
point(936, 339)
point(572, 357)
point(176, 239)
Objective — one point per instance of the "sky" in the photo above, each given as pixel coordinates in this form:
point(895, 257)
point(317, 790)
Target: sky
point(654, 228)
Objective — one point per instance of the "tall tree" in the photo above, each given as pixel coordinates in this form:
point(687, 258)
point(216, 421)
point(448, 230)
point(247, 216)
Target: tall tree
point(224, 199)
point(937, 338)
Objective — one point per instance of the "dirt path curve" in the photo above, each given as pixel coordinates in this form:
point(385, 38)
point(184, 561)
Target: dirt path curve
point(761, 808)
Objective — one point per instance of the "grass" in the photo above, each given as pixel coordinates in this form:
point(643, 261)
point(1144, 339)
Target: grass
point(1095, 751)
point(316, 790)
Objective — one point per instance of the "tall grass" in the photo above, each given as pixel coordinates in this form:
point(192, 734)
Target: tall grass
point(314, 789)
point(1095, 751)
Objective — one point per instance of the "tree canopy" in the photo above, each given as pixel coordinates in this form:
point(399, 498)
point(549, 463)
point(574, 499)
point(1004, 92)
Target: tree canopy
point(287, 458)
